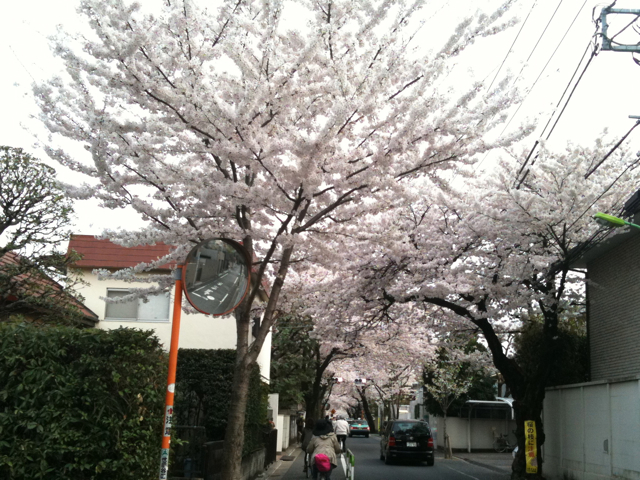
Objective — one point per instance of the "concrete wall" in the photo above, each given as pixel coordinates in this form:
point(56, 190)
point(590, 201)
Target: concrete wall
point(196, 330)
point(252, 465)
point(593, 430)
point(283, 424)
point(470, 435)
point(614, 304)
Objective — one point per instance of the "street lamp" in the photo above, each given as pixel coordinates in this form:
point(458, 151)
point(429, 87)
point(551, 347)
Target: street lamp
point(611, 221)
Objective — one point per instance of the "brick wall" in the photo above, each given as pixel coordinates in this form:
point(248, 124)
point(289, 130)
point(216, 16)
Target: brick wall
point(613, 291)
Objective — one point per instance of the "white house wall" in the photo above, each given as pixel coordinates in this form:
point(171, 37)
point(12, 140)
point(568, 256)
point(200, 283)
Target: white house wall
point(196, 330)
point(474, 436)
point(593, 431)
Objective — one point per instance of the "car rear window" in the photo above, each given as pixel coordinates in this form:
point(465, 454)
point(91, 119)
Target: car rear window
point(412, 428)
point(360, 422)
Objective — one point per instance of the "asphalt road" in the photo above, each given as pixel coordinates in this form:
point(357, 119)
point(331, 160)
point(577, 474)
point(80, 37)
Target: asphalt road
point(368, 465)
point(219, 294)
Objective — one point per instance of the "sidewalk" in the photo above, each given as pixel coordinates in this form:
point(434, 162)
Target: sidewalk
point(289, 467)
point(498, 462)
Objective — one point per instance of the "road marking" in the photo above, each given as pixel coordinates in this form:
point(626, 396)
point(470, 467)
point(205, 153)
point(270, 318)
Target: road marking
point(462, 473)
point(344, 464)
point(224, 298)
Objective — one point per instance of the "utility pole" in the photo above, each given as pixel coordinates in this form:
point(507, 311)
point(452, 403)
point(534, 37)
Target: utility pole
point(607, 43)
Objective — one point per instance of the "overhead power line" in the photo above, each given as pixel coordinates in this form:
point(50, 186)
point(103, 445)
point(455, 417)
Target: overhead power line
point(540, 76)
point(615, 147)
point(514, 42)
point(566, 103)
point(539, 39)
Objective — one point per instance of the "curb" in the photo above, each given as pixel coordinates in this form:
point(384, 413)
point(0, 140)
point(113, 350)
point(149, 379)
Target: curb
point(278, 463)
point(484, 465)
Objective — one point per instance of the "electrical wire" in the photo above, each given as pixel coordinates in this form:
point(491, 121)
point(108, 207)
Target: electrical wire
point(605, 190)
point(514, 42)
point(539, 39)
point(593, 54)
point(557, 105)
point(538, 78)
point(615, 147)
point(525, 163)
point(628, 25)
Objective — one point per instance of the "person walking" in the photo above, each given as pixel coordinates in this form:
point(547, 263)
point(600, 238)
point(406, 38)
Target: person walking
point(342, 430)
point(324, 442)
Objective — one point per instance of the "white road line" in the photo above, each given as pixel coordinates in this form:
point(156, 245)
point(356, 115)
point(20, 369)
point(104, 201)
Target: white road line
point(224, 298)
point(344, 464)
point(462, 473)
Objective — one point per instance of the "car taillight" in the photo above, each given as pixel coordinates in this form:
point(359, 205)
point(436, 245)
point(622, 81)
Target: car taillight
point(392, 441)
point(366, 428)
point(430, 442)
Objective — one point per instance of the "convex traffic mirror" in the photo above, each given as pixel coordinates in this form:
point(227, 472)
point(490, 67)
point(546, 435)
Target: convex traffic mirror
point(216, 276)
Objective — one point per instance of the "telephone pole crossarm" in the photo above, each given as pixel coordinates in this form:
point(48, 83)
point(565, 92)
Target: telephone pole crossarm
point(607, 43)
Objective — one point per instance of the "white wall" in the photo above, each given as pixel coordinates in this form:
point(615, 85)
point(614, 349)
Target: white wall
point(196, 330)
point(477, 435)
point(593, 430)
point(283, 425)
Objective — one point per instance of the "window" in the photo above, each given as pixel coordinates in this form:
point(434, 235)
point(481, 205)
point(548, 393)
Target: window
point(154, 308)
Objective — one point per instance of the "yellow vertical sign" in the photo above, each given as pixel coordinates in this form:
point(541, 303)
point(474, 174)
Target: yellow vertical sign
point(530, 446)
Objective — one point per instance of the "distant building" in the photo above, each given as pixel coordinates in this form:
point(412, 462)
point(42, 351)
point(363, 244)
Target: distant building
point(155, 312)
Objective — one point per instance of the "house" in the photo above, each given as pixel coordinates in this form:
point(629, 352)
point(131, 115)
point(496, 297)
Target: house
point(593, 428)
point(197, 330)
point(28, 291)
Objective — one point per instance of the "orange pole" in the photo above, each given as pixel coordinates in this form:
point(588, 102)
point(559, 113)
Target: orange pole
point(171, 380)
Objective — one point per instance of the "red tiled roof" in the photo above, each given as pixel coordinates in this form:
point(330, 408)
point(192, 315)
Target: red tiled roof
point(35, 282)
point(106, 254)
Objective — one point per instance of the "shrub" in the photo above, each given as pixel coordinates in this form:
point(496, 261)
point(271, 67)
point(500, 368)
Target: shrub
point(203, 392)
point(80, 404)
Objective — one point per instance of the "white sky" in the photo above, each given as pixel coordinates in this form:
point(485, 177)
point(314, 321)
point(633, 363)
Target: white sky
point(604, 98)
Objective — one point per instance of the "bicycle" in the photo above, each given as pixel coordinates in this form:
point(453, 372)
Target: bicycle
point(502, 444)
point(307, 465)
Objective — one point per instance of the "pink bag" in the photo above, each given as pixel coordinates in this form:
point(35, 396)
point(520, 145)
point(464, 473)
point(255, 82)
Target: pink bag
point(323, 464)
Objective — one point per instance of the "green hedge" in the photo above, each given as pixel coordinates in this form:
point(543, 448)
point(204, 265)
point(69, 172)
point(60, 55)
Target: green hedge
point(203, 392)
point(80, 404)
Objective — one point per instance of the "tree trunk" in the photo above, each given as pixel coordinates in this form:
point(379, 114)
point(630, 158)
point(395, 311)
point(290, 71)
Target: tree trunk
point(445, 438)
point(246, 355)
point(367, 411)
point(528, 390)
point(314, 400)
point(234, 434)
point(524, 412)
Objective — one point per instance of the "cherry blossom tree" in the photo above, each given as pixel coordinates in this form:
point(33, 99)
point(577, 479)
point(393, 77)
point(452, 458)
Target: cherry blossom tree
point(495, 251)
point(447, 382)
point(232, 120)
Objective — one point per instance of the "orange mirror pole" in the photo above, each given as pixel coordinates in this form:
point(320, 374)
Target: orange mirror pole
point(171, 377)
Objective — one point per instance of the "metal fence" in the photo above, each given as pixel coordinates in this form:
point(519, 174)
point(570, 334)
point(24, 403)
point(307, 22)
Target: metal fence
point(350, 459)
point(188, 452)
point(271, 447)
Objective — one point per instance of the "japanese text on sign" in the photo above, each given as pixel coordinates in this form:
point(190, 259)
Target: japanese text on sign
point(530, 446)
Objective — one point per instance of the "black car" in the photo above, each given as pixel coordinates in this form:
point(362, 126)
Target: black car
point(406, 440)
point(359, 427)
